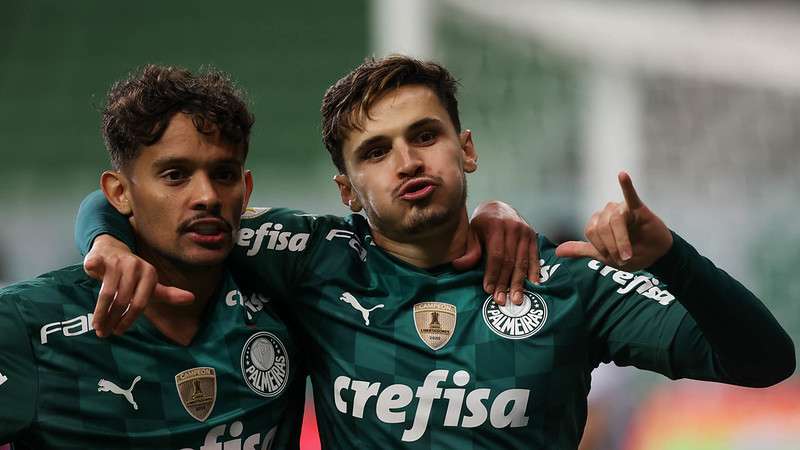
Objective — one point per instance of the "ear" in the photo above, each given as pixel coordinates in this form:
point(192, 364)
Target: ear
point(115, 187)
point(346, 191)
point(470, 155)
point(248, 188)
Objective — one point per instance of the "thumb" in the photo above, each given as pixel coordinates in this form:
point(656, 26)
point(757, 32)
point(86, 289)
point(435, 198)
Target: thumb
point(471, 256)
point(577, 249)
point(172, 295)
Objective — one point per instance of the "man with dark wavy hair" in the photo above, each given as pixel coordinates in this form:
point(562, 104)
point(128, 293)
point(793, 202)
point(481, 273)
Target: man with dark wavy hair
point(217, 371)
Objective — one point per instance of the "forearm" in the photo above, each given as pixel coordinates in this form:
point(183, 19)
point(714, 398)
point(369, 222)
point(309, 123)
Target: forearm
point(746, 344)
point(95, 217)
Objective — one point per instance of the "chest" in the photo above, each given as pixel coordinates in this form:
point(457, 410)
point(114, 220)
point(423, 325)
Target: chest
point(139, 390)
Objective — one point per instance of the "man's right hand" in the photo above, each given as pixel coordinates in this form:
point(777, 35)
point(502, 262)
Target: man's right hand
point(129, 283)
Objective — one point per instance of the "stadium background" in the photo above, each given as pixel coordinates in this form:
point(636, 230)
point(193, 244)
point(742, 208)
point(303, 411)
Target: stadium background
point(699, 100)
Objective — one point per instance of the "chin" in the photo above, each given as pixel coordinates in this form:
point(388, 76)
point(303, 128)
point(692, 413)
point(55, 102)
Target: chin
point(426, 219)
point(206, 258)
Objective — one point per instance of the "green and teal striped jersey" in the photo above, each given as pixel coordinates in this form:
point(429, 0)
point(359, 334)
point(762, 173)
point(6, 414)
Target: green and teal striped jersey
point(402, 357)
point(235, 386)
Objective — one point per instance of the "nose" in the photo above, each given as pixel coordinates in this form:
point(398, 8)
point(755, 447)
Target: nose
point(409, 160)
point(205, 196)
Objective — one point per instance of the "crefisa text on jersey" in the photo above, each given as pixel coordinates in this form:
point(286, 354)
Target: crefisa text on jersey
point(508, 408)
point(644, 285)
point(276, 238)
point(255, 441)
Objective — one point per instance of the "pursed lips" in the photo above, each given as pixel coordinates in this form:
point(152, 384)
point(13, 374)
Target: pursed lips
point(416, 188)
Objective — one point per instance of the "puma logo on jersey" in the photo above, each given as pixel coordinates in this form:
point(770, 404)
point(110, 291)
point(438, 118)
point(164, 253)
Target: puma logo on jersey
point(108, 386)
point(352, 301)
point(465, 408)
point(3, 379)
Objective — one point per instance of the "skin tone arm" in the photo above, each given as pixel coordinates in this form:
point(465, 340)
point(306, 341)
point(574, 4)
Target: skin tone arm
point(129, 282)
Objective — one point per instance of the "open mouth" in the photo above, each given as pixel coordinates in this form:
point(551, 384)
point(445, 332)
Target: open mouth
point(207, 231)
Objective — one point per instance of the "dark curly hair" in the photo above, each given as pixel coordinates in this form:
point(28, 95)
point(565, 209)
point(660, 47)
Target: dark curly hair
point(348, 101)
point(138, 109)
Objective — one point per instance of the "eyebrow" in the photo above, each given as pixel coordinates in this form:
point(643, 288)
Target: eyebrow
point(421, 123)
point(176, 161)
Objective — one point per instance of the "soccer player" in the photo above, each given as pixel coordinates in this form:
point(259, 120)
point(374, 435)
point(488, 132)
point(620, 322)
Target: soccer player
point(219, 372)
point(405, 352)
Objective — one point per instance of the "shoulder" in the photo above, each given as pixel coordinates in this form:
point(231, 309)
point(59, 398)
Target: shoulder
point(291, 229)
point(51, 291)
point(257, 216)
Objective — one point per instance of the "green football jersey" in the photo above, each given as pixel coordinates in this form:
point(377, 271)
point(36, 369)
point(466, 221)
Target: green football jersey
point(403, 357)
point(237, 385)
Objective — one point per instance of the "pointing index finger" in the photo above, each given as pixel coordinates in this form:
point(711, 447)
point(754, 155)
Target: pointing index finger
point(628, 191)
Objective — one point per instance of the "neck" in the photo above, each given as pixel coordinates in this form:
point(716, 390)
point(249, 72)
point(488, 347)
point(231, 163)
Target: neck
point(178, 322)
point(428, 248)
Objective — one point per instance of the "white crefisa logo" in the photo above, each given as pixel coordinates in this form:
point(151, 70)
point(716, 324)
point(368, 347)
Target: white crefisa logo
point(516, 321)
point(275, 237)
point(644, 285)
point(255, 441)
point(265, 365)
point(253, 302)
point(466, 409)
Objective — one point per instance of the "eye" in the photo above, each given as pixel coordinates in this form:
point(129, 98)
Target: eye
point(227, 175)
point(375, 153)
point(173, 175)
point(425, 137)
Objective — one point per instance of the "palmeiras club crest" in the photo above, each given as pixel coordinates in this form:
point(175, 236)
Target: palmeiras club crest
point(516, 321)
point(265, 364)
point(197, 389)
point(435, 323)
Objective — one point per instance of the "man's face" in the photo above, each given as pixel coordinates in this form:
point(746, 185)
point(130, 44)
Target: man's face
point(407, 164)
point(186, 193)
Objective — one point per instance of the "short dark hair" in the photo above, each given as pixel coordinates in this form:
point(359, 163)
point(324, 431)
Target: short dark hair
point(138, 109)
point(348, 101)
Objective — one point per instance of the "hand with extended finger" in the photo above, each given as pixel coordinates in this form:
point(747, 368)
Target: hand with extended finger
point(129, 284)
point(625, 235)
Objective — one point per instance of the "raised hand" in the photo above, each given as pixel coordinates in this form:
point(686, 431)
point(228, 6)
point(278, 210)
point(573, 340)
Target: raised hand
point(129, 284)
point(511, 248)
point(625, 235)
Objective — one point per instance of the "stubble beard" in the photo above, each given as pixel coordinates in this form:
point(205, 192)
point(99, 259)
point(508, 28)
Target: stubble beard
point(426, 218)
